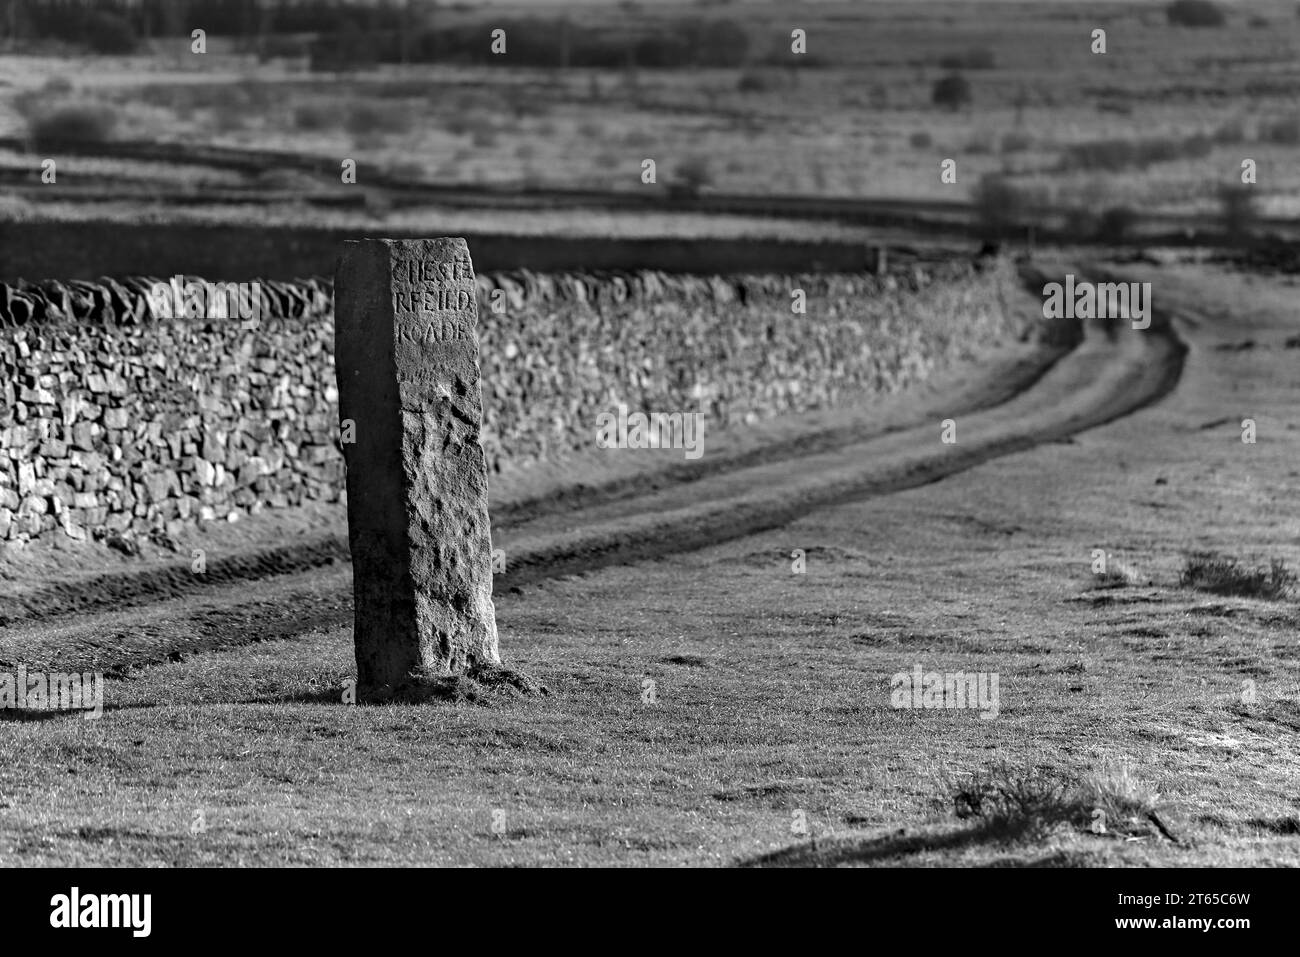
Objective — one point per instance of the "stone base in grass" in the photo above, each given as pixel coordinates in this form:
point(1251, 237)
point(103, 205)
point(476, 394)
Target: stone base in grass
point(477, 685)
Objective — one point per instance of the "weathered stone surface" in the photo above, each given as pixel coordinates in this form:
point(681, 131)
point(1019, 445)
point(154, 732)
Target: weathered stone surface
point(407, 362)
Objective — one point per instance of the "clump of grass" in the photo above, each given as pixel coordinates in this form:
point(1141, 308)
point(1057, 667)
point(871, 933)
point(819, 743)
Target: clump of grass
point(1013, 802)
point(1225, 575)
point(1026, 803)
point(1117, 792)
point(921, 140)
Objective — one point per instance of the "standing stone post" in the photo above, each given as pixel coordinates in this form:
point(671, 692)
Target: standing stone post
point(406, 357)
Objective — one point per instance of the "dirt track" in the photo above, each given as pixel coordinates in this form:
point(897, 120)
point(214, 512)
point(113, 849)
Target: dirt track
point(1028, 399)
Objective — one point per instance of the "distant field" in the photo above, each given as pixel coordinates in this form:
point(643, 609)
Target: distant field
point(1158, 123)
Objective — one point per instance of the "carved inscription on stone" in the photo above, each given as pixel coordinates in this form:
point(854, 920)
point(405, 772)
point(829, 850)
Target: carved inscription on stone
point(434, 301)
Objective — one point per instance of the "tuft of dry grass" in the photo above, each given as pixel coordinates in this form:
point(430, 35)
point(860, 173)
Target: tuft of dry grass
point(1224, 575)
point(1124, 800)
point(1026, 803)
point(1013, 803)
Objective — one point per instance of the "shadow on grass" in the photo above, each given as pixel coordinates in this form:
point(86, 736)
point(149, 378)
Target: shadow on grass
point(872, 849)
point(449, 691)
point(49, 714)
point(32, 714)
point(313, 696)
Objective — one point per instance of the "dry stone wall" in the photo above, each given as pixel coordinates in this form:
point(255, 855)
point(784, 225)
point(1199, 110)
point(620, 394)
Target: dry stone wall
point(117, 423)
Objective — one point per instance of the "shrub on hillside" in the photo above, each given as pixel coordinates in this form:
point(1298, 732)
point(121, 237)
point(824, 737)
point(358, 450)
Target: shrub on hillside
point(1194, 13)
point(951, 91)
point(691, 176)
point(976, 58)
point(73, 124)
point(1000, 204)
point(1238, 215)
point(1116, 223)
point(110, 34)
point(756, 81)
point(348, 49)
point(721, 43)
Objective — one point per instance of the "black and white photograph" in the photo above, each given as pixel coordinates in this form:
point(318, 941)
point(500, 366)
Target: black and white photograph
point(651, 434)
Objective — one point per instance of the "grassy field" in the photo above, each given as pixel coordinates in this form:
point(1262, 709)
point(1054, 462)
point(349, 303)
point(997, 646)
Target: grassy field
point(714, 708)
point(1159, 122)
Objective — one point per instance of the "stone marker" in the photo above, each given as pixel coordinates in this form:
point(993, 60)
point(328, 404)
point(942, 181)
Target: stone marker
point(406, 357)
